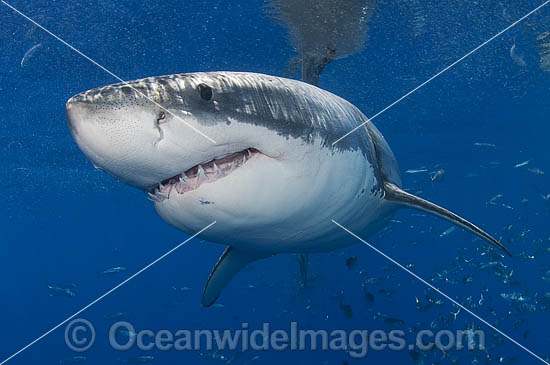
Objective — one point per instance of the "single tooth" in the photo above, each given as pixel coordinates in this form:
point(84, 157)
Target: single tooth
point(153, 197)
point(208, 169)
point(180, 187)
point(201, 175)
point(219, 171)
point(184, 180)
point(249, 153)
point(232, 167)
point(244, 160)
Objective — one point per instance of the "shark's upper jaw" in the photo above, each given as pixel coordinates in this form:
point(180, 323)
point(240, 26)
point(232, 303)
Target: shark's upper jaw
point(203, 173)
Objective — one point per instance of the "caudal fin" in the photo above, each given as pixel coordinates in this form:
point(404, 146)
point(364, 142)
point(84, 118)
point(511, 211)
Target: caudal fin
point(395, 194)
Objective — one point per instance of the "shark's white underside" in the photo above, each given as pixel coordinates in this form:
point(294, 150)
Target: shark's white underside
point(310, 188)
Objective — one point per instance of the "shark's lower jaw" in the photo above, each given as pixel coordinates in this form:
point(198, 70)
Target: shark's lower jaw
point(202, 173)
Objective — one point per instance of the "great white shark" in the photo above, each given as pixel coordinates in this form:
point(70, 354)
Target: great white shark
point(273, 181)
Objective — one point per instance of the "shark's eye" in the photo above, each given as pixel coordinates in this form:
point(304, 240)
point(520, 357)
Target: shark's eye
point(205, 91)
point(161, 116)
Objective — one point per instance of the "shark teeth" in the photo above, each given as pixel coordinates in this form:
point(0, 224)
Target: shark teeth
point(231, 167)
point(183, 179)
point(159, 195)
point(219, 172)
point(153, 197)
point(200, 174)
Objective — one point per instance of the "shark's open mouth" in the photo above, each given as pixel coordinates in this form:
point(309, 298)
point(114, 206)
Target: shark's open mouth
point(202, 173)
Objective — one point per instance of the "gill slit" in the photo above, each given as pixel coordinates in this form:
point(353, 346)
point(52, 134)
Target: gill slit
point(158, 122)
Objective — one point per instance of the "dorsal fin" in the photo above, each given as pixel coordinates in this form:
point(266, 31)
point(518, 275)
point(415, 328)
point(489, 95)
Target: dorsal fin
point(395, 194)
point(230, 263)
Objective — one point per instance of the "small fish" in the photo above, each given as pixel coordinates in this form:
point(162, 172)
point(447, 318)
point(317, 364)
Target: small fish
point(126, 333)
point(29, 54)
point(114, 270)
point(351, 262)
point(416, 171)
point(217, 305)
point(535, 171)
point(495, 198)
point(521, 164)
point(544, 35)
point(438, 175)
point(447, 231)
point(483, 144)
point(517, 297)
point(56, 291)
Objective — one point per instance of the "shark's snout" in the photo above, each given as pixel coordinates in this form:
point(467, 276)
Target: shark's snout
point(72, 107)
point(115, 134)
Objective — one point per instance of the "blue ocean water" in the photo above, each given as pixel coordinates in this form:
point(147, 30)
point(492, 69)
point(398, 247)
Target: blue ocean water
point(63, 222)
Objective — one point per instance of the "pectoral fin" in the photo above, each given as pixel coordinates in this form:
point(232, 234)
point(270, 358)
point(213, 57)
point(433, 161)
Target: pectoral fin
point(230, 263)
point(394, 193)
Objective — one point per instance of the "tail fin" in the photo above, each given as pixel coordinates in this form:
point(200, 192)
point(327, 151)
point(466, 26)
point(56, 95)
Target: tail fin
point(323, 30)
point(394, 193)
